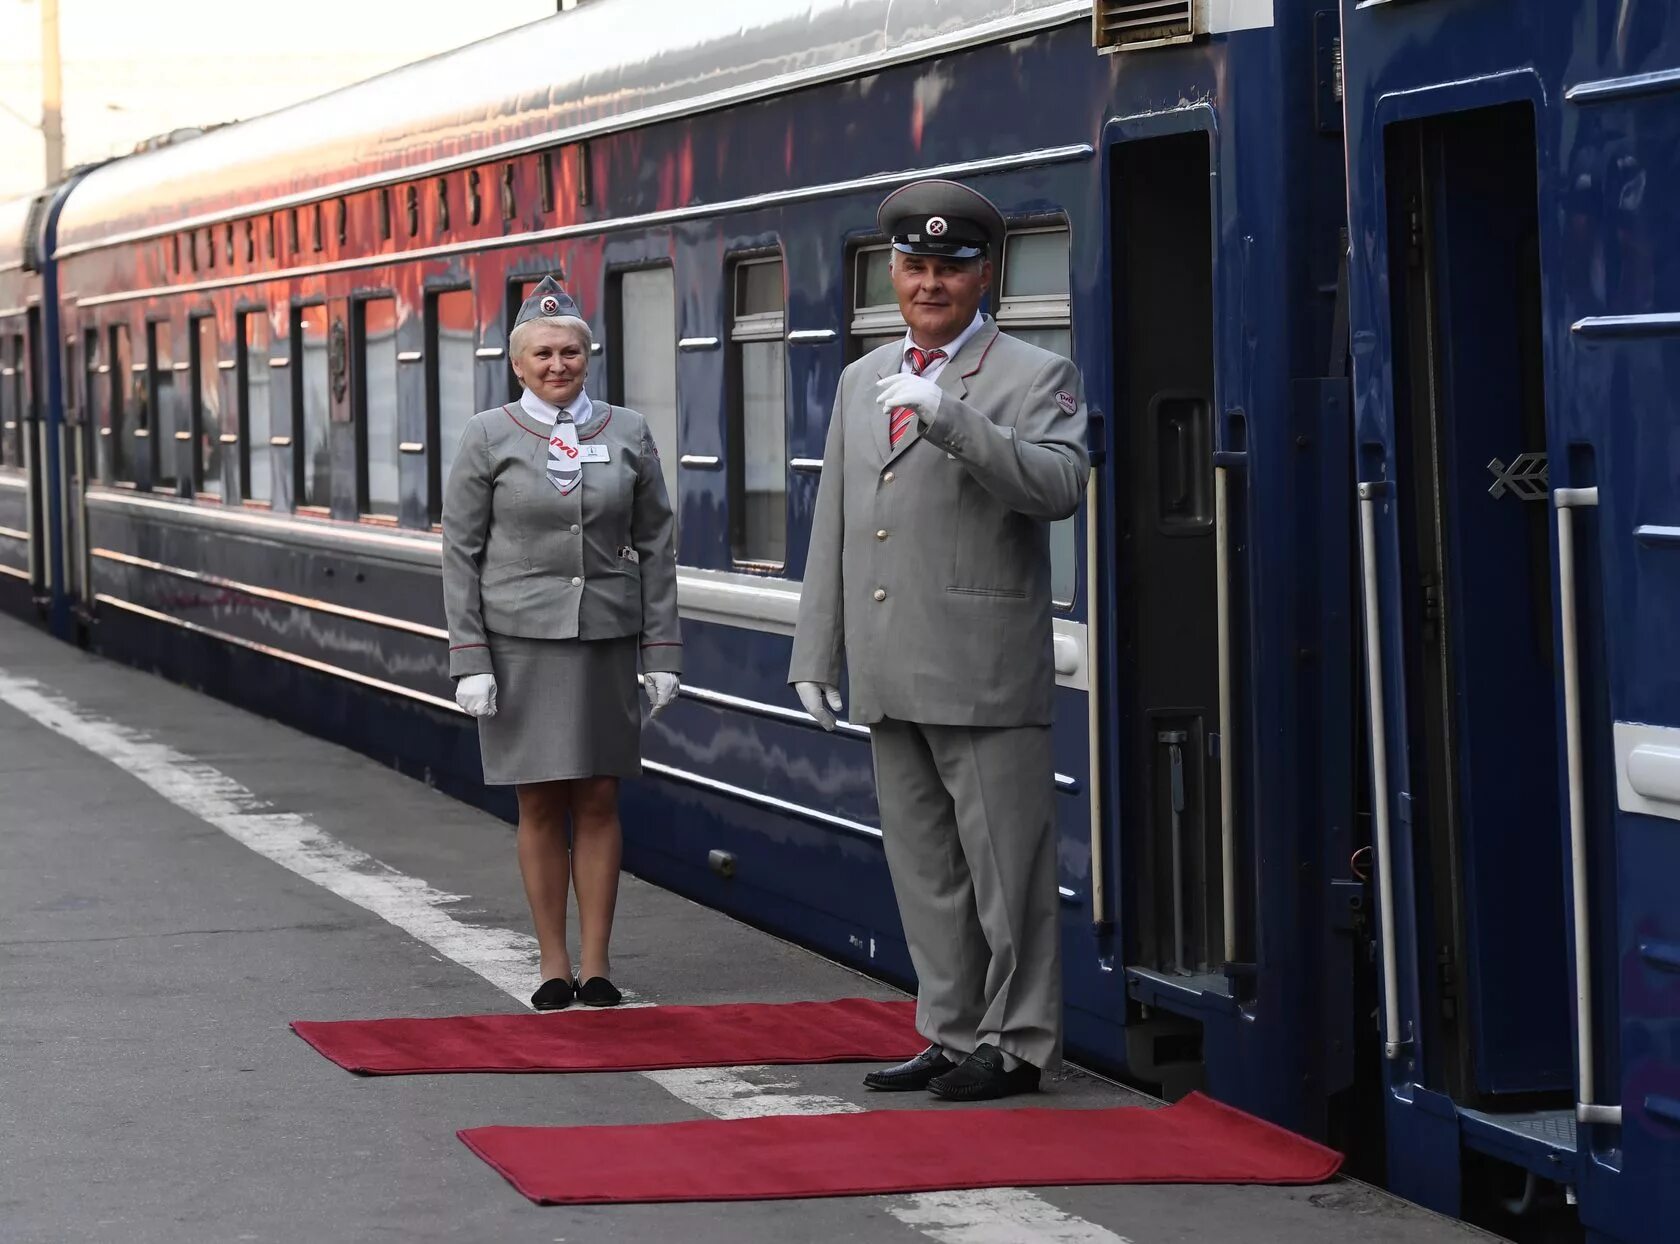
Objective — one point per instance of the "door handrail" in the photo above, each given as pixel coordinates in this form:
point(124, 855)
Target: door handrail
point(1567, 500)
point(1223, 463)
point(1368, 494)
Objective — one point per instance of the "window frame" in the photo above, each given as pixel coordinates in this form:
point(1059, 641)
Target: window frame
point(243, 370)
point(617, 357)
point(359, 404)
point(742, 330)
point(155, 404)
point(297, 364)
point(195, 406)
point(434, 392)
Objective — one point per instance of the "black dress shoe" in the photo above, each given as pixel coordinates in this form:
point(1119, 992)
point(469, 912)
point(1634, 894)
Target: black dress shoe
point(598, 991)
point(553, 995)
point(981, 1077)
point(913, 1075)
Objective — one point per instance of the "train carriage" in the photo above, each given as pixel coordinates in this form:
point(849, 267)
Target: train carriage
point(1514, 294)
point(273, 333)
point(21, 569)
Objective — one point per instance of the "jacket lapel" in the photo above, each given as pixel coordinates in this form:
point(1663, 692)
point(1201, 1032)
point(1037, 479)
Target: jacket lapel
point(954, 379)
point(877, 418)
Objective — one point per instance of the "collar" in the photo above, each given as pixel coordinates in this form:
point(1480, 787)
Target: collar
point(580, 408)
point(953, 348)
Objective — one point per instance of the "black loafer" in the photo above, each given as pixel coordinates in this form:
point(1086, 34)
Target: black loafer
point(982, 1077)
point(911, 1076)
point(598, 991)
point(553, 995)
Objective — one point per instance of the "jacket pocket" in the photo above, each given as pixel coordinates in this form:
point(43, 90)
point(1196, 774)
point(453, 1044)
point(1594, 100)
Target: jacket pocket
point(1000, 593)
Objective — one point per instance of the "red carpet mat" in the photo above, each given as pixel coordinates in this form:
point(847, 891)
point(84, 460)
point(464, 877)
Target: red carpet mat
point(1196, 1140)
point(636, 1039)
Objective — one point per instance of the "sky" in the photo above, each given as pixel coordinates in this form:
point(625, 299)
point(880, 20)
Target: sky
point(135, 70)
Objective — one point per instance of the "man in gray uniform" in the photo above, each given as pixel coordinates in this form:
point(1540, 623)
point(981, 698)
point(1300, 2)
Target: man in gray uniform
point(948, 455)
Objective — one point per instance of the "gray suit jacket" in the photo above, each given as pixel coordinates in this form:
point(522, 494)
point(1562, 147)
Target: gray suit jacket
point(520, 559)
point(929, 566)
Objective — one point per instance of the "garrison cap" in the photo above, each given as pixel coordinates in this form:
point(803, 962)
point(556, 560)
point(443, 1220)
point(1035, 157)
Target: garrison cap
point(943, 218)
point(547, 300)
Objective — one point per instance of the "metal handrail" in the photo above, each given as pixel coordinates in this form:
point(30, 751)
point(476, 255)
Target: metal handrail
point(1368, 493)
point(1093, 716)
point(1227, 759)
point(1586, 1110)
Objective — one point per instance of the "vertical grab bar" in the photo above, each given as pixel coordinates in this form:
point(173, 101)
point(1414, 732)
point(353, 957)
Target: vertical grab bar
point(1368, 494)
point(1566, 500)
point(1093, 715)
point(1227, 759)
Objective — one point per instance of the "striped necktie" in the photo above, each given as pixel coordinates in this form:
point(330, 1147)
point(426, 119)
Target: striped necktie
point(901, 417)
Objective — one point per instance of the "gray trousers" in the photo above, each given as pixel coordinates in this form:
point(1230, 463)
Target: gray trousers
point(968, 822)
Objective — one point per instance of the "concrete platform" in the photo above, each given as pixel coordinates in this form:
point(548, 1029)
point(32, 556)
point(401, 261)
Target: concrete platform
point(179, 879)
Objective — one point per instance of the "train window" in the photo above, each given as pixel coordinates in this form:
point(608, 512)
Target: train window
point(210, 249)
point(451, 331)
point(207, 407)
point(192, 251)
point(443, 204)
point(758, 415)
point(510, 200)
point(341, 218)
point(586, 181)
point(255, 412)
point(160, 349)
point(296, 237)
point(475, 198)
point(875, 317)
point(317, 229)
point(273, 234)
point(312, 412)
point(545, 181)
point(1035, 305)
point(385, 214)
point(129, 410)
point(411, 208)
point(230, 244)
point(250, 241)
point(376, 403)
point(644, 359)
point(175, 253)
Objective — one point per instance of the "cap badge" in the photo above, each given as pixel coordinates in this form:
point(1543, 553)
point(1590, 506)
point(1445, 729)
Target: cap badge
point(936, 226)
point(551, 305)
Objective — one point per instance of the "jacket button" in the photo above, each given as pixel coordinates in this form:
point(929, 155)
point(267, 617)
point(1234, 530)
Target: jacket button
point(880, 593)
point(881, 534)
point(575, 529)
point(577, 580)
point(887, 478)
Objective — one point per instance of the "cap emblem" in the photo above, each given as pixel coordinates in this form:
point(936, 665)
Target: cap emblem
point(936, 226)
point(551, 305)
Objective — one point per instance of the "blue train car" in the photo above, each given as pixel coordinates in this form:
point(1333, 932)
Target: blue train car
point(271, 335)
point(1515, 306)
point(22, 579)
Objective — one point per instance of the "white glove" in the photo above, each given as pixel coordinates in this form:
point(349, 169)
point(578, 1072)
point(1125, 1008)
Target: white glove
point(906, 389)
point(813, 694)
point(477, 694)
point(661, 690)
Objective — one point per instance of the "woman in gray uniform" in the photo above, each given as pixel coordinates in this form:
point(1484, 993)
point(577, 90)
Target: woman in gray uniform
point(559, 573)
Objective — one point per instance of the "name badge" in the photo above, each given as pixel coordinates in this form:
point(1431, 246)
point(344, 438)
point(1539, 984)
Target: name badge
point(593, 453)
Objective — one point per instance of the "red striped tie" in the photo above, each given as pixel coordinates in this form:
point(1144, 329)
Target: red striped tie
point(901, 417)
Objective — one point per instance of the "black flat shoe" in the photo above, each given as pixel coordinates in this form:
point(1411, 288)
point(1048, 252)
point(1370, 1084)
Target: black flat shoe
point(981, 1077)
point(910, 1076)
point(554, 995)
point(598, 991)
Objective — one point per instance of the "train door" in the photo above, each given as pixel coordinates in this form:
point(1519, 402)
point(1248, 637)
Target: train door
point(1471, 851)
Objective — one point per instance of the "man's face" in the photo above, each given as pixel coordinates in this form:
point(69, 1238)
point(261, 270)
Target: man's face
point(938, 297)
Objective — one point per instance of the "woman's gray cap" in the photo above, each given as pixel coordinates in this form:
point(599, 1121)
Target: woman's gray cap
point(546, 301)
point(943, 218)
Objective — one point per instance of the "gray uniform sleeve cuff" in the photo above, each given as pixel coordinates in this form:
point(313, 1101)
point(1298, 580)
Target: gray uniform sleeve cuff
point(470, 659)
point(662, 659)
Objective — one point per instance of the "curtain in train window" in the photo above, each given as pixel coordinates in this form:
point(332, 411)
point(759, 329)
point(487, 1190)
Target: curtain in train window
point(875, 316)
point(645, 360)
point(453, 330)
point(314, 413)
point(1034, 304)
point(758, 416)
point(255, 410)
point(207, 407)
point(377, 416)
point(161, 349)
point(131, 414)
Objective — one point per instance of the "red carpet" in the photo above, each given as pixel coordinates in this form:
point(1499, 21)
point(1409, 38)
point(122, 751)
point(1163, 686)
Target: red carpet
point(1196, 1140)
point(638, 1039)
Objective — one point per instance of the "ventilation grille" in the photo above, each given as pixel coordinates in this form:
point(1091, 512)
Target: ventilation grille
point(1117, 25)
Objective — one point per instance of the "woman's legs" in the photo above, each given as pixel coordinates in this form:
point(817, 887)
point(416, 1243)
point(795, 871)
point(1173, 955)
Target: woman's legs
point(546, 869)
point(597, 847)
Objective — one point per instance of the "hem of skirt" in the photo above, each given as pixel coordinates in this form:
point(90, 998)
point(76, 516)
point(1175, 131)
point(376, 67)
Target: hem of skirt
point(561, 777)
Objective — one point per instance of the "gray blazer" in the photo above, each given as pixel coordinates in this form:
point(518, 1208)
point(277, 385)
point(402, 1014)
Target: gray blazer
point(929, 566)
point(520, 559)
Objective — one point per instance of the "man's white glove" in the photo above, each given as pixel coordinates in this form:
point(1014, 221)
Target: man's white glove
point(813, 694)
point(906, 389)
point(661, 690)
point(477, 694)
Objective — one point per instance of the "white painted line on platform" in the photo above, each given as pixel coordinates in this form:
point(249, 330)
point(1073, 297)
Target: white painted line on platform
point(504, 957)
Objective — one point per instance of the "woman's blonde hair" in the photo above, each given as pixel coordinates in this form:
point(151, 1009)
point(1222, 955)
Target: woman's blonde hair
point(580, 327)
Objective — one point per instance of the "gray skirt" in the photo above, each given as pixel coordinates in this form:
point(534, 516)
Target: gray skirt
point(565, 708)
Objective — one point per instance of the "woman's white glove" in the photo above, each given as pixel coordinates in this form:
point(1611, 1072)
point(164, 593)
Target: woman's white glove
point(477, 694)
point(908, 389)
point(821, 700)
point(661, 689)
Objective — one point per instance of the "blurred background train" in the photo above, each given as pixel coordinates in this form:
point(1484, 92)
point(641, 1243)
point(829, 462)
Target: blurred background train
point(1368, 724)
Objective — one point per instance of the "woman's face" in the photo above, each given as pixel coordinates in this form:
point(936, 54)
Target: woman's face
point(552, 362)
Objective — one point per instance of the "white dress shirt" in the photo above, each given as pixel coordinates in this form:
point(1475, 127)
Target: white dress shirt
point(580, 407)
point(932, 370)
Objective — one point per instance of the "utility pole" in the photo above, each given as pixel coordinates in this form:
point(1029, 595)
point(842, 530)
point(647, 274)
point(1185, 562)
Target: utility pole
point(52, 92)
